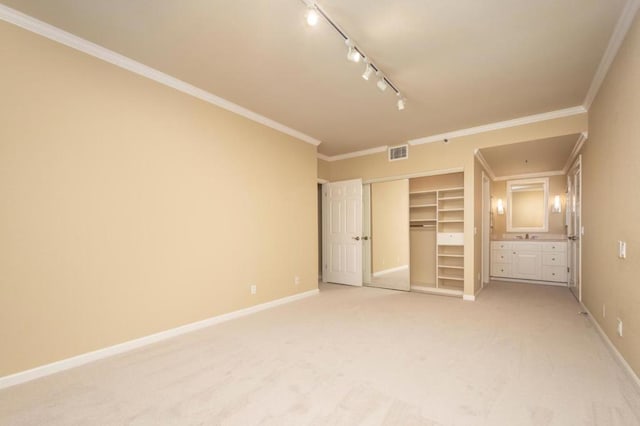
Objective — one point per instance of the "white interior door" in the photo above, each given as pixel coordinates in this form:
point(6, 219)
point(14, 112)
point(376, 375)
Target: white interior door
point(366, 231)
point(574, 227)
point(342, 229)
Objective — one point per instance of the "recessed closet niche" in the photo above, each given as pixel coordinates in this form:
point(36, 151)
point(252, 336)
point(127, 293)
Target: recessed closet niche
point(413, 234)
point(436, 223)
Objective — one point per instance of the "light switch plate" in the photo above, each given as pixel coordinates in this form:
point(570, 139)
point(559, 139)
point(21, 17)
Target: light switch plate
point(622, 249)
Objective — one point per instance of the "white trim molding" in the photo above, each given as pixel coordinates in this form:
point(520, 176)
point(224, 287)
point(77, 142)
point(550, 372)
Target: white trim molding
point(76, 361)
point(469, 298)
point(575, 151)
point(531, 175)
point(567, 112)
point(56, 34)
point(354, 154)
point(612, 349)
point(484, 163)
point(619, 33)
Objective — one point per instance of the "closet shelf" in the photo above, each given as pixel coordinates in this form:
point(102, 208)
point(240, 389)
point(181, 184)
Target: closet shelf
point(450, 255)
point(457, 188)
point(451, 198)
point(430, 191)
point(450, 267)
point(419, 206)
point(444, 277)
point(451, 221)
point(421, 220)
point(451, 210)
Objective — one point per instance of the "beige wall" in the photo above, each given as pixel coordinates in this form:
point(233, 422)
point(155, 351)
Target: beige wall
point(611, 200)
point(324, 171)
point(389, 224)
point(557, 186)
point(128, 208)
point(457, 154)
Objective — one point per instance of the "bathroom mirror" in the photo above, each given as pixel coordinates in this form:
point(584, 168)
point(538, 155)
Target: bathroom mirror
point(527, 205)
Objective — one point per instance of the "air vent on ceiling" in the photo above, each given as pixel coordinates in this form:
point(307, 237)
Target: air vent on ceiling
point(400, 152)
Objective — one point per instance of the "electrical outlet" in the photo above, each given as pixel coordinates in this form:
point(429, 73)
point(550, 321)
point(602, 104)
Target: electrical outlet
point(296, 280)
point(253, 288)
point(619, 328)
point(604, 311)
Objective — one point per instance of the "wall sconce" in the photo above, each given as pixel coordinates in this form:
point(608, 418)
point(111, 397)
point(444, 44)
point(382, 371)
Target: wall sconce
point(500, 207)
point(557, 205)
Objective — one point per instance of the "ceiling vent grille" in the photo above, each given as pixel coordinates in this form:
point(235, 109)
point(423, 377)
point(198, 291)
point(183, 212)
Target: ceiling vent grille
point(400, 152)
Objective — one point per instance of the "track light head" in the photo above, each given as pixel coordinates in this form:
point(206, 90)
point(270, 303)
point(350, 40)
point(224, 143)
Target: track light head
point(352, 54)
point(382, 84)
point(367, 72)
point(312, 16)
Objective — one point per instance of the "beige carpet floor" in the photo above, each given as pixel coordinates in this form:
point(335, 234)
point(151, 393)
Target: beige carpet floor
point(520, 355)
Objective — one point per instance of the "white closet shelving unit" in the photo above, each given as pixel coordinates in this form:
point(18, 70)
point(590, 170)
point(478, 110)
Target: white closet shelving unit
point(437, 234)
point(451, 239)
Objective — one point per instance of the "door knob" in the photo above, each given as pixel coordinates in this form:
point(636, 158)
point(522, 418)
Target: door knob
point(356, 238)
point(365, 238)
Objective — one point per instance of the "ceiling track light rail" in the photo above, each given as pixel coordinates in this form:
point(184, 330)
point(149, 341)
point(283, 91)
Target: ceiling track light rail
point(355, 53)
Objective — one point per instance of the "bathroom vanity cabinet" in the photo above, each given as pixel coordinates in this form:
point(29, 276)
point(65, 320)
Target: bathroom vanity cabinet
point(540, 261)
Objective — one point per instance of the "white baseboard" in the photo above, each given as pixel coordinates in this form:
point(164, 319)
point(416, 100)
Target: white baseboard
point(520, 281)
point(469, 297)
point(614, 351)
point(76, 361)
point(390, 270)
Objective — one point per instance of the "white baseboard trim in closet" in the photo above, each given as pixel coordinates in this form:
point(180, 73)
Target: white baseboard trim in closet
point(78, 360)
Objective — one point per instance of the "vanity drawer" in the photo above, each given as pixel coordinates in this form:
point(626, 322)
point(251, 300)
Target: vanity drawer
point(501, 256)
point(554, 259)
point(450, 238)
point(560, 247)
point(554, 273)
point(500, 245)
point(500, 269)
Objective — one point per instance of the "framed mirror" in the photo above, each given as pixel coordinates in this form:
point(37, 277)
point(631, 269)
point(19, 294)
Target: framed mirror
point(527, 205)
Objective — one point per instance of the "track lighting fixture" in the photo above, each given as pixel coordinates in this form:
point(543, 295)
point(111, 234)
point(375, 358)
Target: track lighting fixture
point(382, 82)
point(368, 70)
point(312, 16)
point(354, 52)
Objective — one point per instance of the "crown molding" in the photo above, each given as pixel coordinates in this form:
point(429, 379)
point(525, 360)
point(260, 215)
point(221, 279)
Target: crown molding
point(575, 151)
point(56, 34)
point(619, 33)
point(531, 175)
point(561, 113)
point(354, 154)
point(484, 163)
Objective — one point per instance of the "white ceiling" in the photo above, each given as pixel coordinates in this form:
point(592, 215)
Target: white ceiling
point(459, 63)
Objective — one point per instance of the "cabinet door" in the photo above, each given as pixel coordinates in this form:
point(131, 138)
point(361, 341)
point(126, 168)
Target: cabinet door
point(527, 265)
